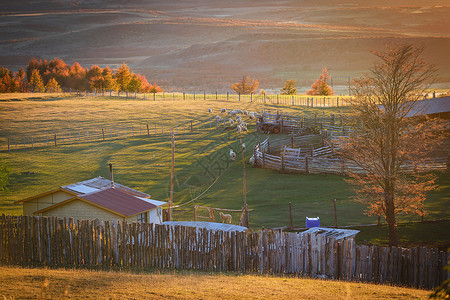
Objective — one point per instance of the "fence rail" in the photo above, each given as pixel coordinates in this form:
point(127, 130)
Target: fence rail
point(67, 242)
point(288, 159)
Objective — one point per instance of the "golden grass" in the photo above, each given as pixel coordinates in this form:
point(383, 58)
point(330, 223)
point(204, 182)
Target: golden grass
point(24, 283)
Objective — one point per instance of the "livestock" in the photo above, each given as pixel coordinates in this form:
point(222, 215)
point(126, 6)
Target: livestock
point(232, 155)
point(209, 110)
point(217, 118)
point(251, 116)
point(243, 147)
point(223, 110)
point(252, 160)
point(225, 218)
point(231, 122)
point(245, 113)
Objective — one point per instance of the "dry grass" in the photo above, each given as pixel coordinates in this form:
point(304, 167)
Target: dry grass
point(24, 283)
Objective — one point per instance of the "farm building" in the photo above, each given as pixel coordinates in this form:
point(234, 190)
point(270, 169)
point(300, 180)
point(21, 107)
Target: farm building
point(96, 198)
point(434, 108)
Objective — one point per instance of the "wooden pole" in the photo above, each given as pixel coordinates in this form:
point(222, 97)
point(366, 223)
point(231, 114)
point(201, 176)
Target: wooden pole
point(290, 215)
point(172, 176)
point(335, 215)
point(244, 187)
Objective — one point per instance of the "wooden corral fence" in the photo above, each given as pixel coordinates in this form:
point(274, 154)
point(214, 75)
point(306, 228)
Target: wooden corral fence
point(67, 242)
point(310, 157)
point(267, 122)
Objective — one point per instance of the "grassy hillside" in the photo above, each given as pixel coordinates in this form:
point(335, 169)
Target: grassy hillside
point(21, 283)
point(202, 162)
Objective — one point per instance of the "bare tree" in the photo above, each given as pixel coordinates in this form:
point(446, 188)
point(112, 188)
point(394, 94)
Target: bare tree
point(386, 137)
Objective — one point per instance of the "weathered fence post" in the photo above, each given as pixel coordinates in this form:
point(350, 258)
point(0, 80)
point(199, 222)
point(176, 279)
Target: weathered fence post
point(192, 127)
point(290, 216)
point(8, 143)
point(55, 139)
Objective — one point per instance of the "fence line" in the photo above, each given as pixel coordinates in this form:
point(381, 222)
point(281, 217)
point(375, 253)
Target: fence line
point(306, 158)
point(110, 133)
point(294, 100)
point(67, 242)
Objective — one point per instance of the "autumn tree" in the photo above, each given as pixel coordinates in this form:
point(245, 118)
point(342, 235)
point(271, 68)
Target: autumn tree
point(245, 86)
point(320, 87)
point(8, 83)
point(22, 80)
point(289, 88)
point(52, 86)
point(134, 85)
point(109, 83)
point(123, 77)
point(385, 137)
point(36, 83)
point(78, 78)
point(155, 88)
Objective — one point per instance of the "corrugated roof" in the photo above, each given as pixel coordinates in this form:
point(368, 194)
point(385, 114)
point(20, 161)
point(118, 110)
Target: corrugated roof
point(339, 234)
point(155, 202)
point(119, 201)
point(208, 225)
point(101, 183)
point(430, 106)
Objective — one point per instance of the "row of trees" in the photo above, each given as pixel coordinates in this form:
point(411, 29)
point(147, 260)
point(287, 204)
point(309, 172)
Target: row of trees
point(53, 75)
point(320, 87)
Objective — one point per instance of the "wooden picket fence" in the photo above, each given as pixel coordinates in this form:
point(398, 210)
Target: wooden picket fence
point(66, 242)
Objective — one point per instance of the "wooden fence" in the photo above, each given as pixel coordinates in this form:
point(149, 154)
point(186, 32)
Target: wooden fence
point(294, 100)
point(109, 133)
point(307, 158)
point(68, 242)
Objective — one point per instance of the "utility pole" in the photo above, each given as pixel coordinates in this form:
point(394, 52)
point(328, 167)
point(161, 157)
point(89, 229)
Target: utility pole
point(244, 187)
point(172, 176)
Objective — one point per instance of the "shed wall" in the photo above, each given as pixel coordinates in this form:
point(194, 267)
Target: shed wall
point(81, 210)
point(29, 207)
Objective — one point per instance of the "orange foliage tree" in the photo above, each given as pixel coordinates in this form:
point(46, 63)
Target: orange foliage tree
point(245, 86)
point(385, 137)
point(320, 87)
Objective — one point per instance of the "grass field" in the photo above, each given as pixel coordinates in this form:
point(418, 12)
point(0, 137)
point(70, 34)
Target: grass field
point(24, 283)
point(201, 158)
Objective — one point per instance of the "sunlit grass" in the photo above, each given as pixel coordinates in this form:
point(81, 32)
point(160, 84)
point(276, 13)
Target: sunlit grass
point(201, 156)
point(24, 283)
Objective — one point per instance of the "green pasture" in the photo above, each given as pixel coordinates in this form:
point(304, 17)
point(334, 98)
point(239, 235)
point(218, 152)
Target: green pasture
point(203, 168)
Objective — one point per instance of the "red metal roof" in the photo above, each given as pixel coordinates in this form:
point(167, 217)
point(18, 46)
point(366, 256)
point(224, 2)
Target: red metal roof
point(118, 201)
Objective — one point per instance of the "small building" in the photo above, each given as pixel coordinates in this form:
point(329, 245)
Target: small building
point(96, 198)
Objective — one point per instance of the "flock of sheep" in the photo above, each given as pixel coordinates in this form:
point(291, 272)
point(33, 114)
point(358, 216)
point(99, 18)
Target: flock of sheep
point(235, 116)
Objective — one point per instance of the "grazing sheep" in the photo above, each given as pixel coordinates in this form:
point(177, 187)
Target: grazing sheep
point(238, 111)
point(209, 110)
point(238, 128)
point(225, 218)
point(252, 160)
point(223, 110)
point(243, 147)
point(245, 113)
point(251, 116)
point(244, 126)
point(231, 122)
point(232, 155)
point(217, 118)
